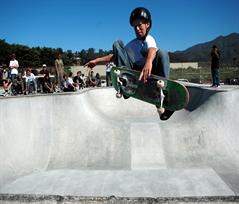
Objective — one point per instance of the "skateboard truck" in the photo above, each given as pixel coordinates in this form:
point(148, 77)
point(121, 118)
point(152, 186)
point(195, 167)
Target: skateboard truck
point(160, 85)
point(119, 83)
point(125, 85)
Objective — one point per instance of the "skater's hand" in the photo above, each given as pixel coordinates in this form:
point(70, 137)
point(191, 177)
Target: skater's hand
point(146, 72)
point(91, 64)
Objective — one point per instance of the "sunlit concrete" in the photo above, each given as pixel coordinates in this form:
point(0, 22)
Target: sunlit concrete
point(92, 144)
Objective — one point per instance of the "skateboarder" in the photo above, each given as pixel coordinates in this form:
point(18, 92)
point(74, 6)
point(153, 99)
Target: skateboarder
point(140, 53)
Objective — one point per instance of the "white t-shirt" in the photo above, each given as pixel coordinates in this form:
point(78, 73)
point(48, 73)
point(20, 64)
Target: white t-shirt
point(109, 66)
point(30, 78)
point(70, 80)
point(14, 65)
point(138, 49)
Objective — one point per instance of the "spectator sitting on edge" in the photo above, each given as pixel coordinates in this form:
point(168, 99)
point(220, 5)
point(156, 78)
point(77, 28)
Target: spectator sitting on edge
point(40, 81)
point(69, 85)
point(31, 85)
point(47, 84)
point(7, 84)
point(78, 79)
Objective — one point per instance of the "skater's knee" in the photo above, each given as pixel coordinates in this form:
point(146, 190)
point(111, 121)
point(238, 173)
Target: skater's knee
point(162, 55)
point(161, 64)
point(118, 44)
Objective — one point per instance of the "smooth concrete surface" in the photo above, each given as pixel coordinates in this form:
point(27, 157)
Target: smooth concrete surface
point(93, 144)
point(136, 183)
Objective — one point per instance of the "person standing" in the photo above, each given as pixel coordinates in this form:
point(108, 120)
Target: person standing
point(215, 58)
point(13, 67)
point(59, 71)
point(108, 76)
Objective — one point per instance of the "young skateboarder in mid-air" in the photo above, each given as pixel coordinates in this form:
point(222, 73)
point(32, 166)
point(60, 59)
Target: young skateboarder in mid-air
point(141, 53)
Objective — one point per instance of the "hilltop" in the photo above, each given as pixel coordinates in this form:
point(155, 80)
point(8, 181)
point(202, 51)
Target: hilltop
point(228, 45)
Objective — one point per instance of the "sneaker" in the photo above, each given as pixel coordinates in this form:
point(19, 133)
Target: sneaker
point(166, 114)
point(6, 94)
point(125, 97)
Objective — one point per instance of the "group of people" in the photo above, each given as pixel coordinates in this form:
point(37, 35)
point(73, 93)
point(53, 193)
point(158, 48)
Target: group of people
point(68, 83)
point(25, 83)
point(32, 81)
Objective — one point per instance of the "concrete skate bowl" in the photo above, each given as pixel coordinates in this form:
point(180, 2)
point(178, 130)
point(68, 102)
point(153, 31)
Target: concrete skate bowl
point(90, 147)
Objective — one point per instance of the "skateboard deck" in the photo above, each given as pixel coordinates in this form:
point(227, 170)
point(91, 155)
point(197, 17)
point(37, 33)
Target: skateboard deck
point(159, 91)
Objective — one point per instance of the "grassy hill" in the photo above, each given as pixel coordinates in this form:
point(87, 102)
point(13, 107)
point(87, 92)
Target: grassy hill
point(228, 45)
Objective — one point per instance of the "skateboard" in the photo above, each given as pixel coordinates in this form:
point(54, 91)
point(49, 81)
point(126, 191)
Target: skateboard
point(164, 93)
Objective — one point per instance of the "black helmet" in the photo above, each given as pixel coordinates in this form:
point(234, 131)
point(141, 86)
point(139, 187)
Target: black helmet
point(140, 13)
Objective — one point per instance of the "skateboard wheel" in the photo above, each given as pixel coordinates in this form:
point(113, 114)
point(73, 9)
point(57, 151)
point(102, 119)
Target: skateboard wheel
point(160, 110)
point(117, 72)
point(160, 83)
point(118, 95)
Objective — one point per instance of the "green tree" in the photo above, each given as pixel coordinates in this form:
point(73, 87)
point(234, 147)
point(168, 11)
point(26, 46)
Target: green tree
point(5, 52)
point(83, 56)
point(47, 56)
point(91, 54)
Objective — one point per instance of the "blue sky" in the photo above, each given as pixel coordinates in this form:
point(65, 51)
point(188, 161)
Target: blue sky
point(83, 24)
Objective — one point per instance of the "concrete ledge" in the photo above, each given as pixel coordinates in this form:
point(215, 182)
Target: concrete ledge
point(50, 199)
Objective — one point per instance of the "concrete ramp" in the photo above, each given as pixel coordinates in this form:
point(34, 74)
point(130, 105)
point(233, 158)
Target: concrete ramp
point(90, 146)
